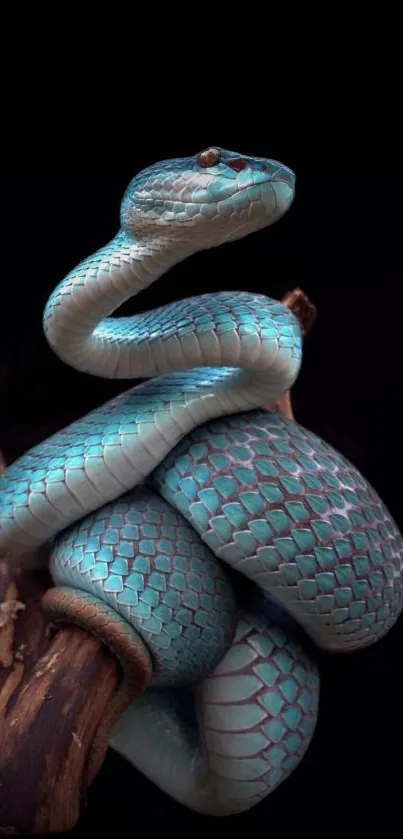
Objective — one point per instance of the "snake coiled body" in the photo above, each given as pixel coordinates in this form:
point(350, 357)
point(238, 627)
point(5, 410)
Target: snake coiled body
point(150, 501)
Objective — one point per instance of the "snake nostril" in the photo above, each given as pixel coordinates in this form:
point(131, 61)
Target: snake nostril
point(238, 165)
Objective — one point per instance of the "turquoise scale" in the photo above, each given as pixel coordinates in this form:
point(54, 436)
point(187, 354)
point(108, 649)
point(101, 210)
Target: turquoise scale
point(141, 558)
point(280, 505)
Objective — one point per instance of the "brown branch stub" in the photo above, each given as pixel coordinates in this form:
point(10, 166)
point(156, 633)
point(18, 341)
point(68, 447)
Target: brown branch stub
point(283, 406)
point(304, 310)
point(306, 314)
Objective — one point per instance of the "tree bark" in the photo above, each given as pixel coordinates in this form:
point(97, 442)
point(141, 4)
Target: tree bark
point(54, 693)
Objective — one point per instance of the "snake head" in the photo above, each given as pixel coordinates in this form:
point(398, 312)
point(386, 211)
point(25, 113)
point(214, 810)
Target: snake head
point(212, 197)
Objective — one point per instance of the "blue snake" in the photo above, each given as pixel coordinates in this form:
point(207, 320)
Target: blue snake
point(200, 537)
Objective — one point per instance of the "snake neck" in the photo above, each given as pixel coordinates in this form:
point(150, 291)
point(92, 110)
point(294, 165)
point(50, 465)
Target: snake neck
point(251, 344)
point(77, 322)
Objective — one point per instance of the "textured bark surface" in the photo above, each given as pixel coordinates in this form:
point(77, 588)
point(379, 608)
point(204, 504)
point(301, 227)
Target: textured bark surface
point(55, 688)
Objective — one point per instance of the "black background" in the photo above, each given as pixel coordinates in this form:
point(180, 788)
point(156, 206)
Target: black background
point(340, 243)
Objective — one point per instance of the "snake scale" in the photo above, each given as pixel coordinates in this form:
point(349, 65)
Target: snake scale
point(202, 537)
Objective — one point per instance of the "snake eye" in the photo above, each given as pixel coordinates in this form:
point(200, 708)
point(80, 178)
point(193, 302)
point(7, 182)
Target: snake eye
point(209, 157)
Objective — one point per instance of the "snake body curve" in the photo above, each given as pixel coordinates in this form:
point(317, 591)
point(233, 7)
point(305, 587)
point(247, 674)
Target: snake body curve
point(141, 497)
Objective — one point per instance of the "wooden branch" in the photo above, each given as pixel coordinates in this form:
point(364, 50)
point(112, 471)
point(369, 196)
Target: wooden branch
point(306, 313)
point(304, 310)
point(54, 694)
